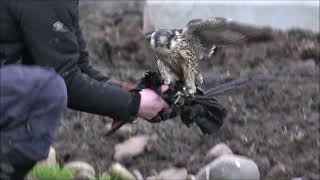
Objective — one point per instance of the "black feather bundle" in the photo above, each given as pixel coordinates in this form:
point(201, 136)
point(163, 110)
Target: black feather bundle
point(206, 112)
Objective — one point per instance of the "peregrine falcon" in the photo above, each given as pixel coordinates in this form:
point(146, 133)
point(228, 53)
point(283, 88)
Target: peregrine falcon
point(178, 50)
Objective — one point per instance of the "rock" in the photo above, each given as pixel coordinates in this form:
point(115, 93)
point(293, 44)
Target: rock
point(132, 147)
point(173, 173)
point(151, 178)
point(137, 174)
point(306, 67)
point(51, 159)
point(191, 177)
point(219, 150)
point(83, 170)
point(264, 162)
point(84, 175)
point(277, 171)
point(297, 178)
point(117, 170)
point(230, 167)
point(310, 63)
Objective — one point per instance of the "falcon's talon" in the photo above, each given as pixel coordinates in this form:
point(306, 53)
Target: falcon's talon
point(178, 94)
point(179, 99)
point(189, 92)
point(135, 120)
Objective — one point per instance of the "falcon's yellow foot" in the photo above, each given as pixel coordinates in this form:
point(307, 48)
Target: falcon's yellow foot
point(190, 92)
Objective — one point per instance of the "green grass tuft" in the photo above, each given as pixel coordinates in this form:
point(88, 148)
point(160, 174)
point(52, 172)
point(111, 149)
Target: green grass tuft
point(54, 172)
point(111, 176)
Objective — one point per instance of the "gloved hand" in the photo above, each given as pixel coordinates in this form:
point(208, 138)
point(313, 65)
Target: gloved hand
point(151, 103)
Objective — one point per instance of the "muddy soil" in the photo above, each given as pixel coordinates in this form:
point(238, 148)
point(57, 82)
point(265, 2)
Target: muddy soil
point(274, 122)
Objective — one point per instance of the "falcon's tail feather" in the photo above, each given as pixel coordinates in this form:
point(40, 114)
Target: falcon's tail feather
point(260, 36)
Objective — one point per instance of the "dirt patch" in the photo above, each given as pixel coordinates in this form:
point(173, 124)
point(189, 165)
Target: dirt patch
point(274, 122)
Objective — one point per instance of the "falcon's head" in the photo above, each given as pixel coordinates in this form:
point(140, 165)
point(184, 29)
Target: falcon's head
point(164, 40)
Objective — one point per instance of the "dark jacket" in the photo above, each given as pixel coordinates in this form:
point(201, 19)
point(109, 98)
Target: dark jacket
point(47, 33)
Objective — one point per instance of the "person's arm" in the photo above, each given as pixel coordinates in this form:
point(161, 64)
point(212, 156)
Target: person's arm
point(50, 32)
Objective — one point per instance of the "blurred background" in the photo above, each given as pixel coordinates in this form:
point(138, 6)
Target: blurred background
point(277, 14)
point(276, 123)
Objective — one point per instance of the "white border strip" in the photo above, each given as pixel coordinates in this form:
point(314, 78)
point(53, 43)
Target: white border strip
point(238, 2)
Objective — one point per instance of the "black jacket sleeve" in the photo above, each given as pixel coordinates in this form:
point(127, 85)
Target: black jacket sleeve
point(51, 35)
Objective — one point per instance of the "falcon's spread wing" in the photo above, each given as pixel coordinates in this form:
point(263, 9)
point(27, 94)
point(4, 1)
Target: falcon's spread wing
point(220, 31)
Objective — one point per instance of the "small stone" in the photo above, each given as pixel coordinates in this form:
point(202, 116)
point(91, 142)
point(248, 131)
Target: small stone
point(173, 173)
point(230, 167)
point(119, 171)
point(277, 171)
point(82, 169)
point(132, 147)
point(151, 178)
point(51, 159)
point(310, 63)
point(264, 162)
point(305, 67)
point(191, 177)
point(219, 150)
point(84, 175)
point(297, 178)
point(137, 174)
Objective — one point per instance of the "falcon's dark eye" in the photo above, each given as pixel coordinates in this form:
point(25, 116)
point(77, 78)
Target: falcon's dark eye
point(156, 36)
point(171, 36)
point(168, 45)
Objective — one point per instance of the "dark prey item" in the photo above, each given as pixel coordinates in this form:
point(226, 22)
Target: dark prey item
point(204, 111)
